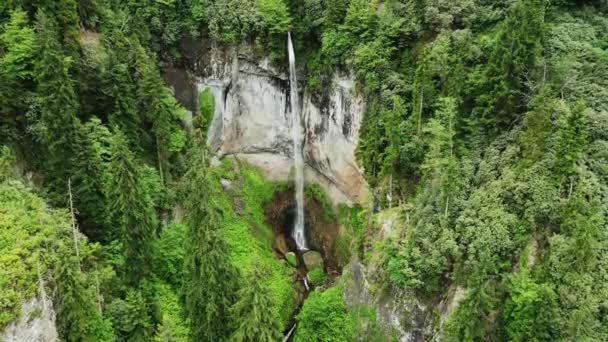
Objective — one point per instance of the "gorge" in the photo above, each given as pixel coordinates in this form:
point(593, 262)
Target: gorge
point(318, 170)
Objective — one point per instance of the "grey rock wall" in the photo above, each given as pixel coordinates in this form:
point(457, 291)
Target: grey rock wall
point(252, 121)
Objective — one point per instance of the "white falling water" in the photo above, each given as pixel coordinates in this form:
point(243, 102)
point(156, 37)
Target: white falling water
point(286, 338)
point(296, 134)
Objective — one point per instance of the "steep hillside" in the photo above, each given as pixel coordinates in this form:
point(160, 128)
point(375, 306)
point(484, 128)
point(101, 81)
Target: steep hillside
point(455, 154)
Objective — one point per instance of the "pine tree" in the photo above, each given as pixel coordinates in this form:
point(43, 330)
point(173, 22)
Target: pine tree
point(57, 104)
point(16, 64)
point(88, 183)
point(131, 210)
point(334, 13)
point(161, 109)
point(572, 142)
point(65, 14)
point(120, 86)
point(77, 318)
point(511, 65)
point(583, 222)
point(7, 161)
point(209, 288)
point(252, 314)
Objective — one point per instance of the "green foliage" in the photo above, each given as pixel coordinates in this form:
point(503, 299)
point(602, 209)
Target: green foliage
point(135, 317)
point(162, 110)
point(530, 312)
point(324, 318)
point(169, 254)
point(56, 99)
point(173, 326)
point(132, 210)
point(231, 20)
point(25, 223)
point(210, 279)
point(253, 315)
point(513, 59)
point(206, 107)
point(17, 41)
point(247, 235)
point(471, 320)
point(275, 15)
point(37, 245)
point(317, 276)
point(7, 162)
point(89, 182)
point(78, 318)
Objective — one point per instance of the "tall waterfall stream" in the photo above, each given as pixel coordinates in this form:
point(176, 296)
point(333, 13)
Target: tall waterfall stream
point(296, 134)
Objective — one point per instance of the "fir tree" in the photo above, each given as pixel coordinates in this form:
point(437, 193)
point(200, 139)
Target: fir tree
point(209, 277)
point(16, 64)
point(88, 183)
point(57, 104)
point(161, 109)
point(572, 142)
point(7, 162)
point(121, 86)
point(252, 314)
point(65, 14)
point(131, 210)
point(511, 65)
point(77, 318)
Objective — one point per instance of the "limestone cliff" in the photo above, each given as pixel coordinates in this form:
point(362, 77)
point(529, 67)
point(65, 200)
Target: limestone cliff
point(252, 119)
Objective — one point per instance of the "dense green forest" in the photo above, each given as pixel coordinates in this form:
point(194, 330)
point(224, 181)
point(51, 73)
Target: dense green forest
point(485, 130)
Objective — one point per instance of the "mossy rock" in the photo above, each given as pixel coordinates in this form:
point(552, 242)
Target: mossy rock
point(313, 259)
point(291, 259)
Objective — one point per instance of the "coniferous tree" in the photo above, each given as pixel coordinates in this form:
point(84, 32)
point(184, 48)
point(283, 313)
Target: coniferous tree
point(92, 174)
point(161, 109)
point(573, 133)
point(78, 319)
point(511, 65)
point(121, 86)
point(252, 314)
point(65, 14)
point(209, 287)
point(131, 210)
point(7, 161)
point(18, 43)
point(57, 104)
point(583, 222)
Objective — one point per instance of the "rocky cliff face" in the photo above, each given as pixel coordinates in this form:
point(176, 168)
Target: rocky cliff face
point(252, 121)
point(36, 323)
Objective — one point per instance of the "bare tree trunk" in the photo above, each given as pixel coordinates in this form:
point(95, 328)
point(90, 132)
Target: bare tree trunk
point(97, 292)
point(420, 112)
point(74, 227)
point(41, 290)
point(160, 163)
point(390, 191)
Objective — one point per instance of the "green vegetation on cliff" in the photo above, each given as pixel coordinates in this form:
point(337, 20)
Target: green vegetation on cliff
point(484, 131)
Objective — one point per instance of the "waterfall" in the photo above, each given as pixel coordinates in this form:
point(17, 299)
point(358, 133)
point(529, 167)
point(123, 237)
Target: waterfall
point(286, 338)
point(296, 134)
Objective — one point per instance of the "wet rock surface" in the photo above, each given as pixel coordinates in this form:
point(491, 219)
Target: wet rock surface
point(252, 118)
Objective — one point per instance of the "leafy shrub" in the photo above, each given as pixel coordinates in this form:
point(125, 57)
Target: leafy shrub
point(324, 318)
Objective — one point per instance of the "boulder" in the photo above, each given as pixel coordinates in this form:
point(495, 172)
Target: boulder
point(313, 259)
point(280, 245)
point(291, 259)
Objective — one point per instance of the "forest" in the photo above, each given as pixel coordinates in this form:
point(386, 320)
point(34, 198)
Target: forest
point(483, 141)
